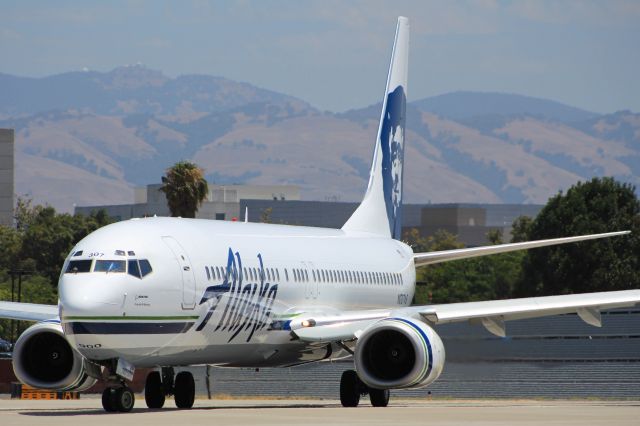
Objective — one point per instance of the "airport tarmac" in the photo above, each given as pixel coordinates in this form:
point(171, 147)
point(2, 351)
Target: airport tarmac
point(323, 412)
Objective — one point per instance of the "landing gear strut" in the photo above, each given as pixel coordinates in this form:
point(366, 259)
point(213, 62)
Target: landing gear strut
point(159, 385)
point(352, 388)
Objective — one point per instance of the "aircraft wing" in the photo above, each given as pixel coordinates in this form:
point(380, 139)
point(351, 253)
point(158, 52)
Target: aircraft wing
point(491, 314)
point(28, 311)
point(422, 259)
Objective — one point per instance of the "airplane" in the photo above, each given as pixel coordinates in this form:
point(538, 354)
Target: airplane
point(167, 292)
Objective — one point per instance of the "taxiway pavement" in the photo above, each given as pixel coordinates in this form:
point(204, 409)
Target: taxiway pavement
point(88, 411)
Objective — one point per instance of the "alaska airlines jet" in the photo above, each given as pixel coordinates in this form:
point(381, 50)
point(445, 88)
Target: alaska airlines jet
point(167, 292)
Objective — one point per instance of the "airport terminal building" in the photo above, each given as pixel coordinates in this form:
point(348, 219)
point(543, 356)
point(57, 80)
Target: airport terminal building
point(282, 204)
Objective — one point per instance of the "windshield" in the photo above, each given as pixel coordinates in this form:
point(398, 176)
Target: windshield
point(76, 266)
point(110, 266)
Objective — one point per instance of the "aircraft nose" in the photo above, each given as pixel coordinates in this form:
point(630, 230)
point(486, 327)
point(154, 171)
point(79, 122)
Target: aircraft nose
point(81, 297)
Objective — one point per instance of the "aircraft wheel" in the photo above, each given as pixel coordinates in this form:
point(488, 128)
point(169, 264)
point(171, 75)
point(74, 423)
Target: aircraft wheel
point(108, 400)
point(124, 399)
point(154, 391)
point(379, 397)
point(349, 389)
point(184, 390)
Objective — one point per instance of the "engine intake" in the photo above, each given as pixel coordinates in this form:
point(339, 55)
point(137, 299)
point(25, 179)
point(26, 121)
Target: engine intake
point(43, 358)
point(398, 353)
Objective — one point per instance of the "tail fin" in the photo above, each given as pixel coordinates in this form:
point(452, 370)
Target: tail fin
point(381, 209)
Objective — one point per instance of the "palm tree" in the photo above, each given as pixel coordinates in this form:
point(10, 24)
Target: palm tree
point(185, 188)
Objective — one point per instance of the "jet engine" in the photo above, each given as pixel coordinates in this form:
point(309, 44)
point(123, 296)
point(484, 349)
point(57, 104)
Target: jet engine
point(396, 353)
point(43, 358)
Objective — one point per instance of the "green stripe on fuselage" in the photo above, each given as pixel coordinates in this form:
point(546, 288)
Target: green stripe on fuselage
point(129, 318)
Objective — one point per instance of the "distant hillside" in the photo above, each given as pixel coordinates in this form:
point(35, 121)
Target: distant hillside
point(107, 132)
point(128, 90)
point(470, 105)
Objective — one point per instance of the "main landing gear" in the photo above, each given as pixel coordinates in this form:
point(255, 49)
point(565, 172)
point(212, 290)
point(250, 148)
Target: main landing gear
point(352, 388)
point(118, 399)
point(160, 384)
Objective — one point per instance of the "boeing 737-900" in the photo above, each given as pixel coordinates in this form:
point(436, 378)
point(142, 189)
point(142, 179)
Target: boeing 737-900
point(167, 292)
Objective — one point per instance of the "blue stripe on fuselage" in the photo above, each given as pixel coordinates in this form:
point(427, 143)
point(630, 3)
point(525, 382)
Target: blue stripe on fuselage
point(127, 327)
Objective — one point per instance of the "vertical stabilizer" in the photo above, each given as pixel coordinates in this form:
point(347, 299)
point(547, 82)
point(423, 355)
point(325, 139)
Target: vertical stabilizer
point(381, 209)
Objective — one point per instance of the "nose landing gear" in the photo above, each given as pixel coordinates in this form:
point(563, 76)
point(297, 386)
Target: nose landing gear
point(158, 386)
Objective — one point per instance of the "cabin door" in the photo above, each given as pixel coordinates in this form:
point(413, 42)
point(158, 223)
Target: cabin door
point(186, 272)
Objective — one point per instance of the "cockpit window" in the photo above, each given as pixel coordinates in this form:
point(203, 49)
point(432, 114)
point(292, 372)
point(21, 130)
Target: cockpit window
point(145, 267)
point(76, 266)
point(110, 266)
point(139, 268)
point(78, 253)
point(133, 268)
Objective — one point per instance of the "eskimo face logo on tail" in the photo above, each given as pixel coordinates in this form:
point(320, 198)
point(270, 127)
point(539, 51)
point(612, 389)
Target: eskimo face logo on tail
point(247, 307)
point(392, 145)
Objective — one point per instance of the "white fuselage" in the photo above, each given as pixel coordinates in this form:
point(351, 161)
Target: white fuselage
point(221, 292)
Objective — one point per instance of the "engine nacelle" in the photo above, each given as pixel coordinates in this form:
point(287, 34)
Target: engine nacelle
point(43, 358)
point(396, 353)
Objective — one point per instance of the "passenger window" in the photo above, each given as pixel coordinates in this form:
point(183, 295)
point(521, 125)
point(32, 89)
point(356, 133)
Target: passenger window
point(134, 270)
point(206, 268)
point(109, 266)
point(286, 274)
point(145, 267)
point(278, 274)
point(76, 266)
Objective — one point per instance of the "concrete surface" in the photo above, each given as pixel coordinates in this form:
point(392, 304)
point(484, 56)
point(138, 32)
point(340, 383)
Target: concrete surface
point(321, 412)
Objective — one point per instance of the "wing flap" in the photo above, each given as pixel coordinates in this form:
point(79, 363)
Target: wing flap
point(28, 311)
point(422, 259)
point(493, 314)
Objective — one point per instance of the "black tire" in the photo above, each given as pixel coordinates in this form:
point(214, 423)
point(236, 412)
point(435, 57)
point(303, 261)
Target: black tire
point(184, 390)
point(154, 391)
point(108, 400)
point(124, 399)
point(379, 397)
point(349, 389)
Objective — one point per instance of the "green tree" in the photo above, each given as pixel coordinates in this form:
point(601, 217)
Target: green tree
point(485, 278)
point(265, 215)
point(495, 237)
point(43, 238)
point(185, 188)
point(520, 229)
point(600, 205)
point(35, 289)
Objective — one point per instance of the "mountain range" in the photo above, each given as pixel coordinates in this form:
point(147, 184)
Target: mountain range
point(87, 138)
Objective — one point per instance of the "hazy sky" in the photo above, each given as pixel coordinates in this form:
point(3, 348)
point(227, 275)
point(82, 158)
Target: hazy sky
point(334, 54)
